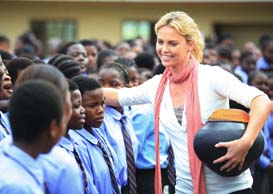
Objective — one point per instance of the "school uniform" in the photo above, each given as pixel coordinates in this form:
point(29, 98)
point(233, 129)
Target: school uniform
point(4, 126)
point(239, 71)
point(69, 145)
point(20, 173)
point(62, 173)
point(262, 183)
point(263, 64)
point(112, 130)
point(96, 164)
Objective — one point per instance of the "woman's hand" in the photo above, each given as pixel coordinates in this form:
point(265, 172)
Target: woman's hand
point(236, 153)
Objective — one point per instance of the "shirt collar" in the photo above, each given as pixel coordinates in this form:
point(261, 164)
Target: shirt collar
point(66, 144)
point(115, 114)
point(87, 136)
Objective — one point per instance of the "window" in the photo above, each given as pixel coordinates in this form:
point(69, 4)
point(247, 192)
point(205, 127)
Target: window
point(132, 29)
point(61, 29)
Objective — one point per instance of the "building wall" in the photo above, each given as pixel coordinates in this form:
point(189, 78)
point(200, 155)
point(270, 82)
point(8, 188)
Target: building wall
point(103, 20)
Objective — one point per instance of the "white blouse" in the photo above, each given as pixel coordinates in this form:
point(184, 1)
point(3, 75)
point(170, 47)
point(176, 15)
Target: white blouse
point(215, 87)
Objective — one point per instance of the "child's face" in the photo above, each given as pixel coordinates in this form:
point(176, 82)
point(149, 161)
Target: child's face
point(77, 118)
point(249, 64)
point(133, 77)
point(94, 104)
point(210, 56)
point(260, 82)
point(92, 54)
point(78, 52)
point(67, 112)
point(6, 87)
point(268, 53)
point(110, 78)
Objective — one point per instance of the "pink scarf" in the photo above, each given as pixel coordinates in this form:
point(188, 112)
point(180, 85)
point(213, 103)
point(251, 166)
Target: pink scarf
point(193, 116)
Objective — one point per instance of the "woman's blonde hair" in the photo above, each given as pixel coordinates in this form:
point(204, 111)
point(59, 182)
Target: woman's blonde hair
point(185, 26)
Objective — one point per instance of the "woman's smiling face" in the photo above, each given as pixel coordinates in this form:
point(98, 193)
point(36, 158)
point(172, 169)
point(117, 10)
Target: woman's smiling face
point(171, 47)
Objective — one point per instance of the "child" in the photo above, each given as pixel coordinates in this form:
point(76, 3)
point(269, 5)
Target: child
point(132, 70)
point(61, 171)
point(6, 87)
point(264, 165)
point(247, 66)
point(115, 75)
point(92, 50)
point(75, 150)
point(32, 135)
point(4, 123)
point(101, 158)
point(77, 51)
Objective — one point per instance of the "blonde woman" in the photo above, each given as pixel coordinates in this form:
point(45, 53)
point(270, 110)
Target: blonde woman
point(194, 90)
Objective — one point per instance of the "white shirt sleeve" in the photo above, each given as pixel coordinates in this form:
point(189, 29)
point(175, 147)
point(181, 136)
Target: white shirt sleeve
point(144, 93)
point(227, 85)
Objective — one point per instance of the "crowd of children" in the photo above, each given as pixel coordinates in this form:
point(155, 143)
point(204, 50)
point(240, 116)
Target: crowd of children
point(58, 135)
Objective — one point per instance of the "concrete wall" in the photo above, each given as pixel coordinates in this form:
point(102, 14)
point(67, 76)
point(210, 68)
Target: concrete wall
point(103, 20)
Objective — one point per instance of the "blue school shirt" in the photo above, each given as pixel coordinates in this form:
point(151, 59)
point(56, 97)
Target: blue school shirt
point(112, 130)
point(239, 71)
point(263, 64)
point(267, 155)
point(20, 173)
point(95, 163)
point(143, 123)
point(4, 123)
point(68, 145)
point(62, 173)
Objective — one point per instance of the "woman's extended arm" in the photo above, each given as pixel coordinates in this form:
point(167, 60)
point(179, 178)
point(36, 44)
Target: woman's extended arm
point(237, 150)
point(111, 95)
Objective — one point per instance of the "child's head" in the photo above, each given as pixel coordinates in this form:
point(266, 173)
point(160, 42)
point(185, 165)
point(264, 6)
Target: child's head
point(77, 118)
point(17, 65)
point(35, 112)
point(132, 68)
point(267, 50)
point(66, 64)
point(77, 51)
point(144, 75)
point(113, 75)
point(248, 62)
point(92, 54)
point(55, 77)
point(122, 48)
point(106, 56)
point(93, 100)
point(6, 84)
point(258, 79)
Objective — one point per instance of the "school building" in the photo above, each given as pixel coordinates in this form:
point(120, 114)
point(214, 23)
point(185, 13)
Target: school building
point(114, 20)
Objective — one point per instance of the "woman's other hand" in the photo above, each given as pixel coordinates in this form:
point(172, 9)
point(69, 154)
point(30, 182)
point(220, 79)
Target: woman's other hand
point(235, 155)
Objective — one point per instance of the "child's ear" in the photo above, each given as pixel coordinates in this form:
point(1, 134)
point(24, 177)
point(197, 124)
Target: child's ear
point(54, 130)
